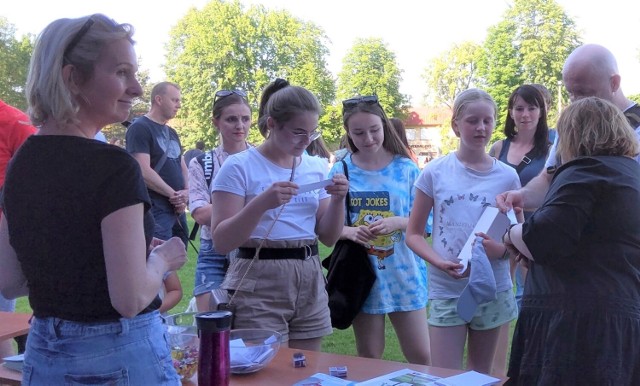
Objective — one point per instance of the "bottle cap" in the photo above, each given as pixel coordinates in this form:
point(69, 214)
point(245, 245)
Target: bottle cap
point(214, 321)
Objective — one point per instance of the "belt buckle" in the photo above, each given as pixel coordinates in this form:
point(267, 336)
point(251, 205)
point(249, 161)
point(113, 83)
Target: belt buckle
point(307, 248)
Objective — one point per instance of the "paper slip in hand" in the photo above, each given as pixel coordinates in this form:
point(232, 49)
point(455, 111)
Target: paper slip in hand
point(314, 185)
point(511, 214)
point(493, 223)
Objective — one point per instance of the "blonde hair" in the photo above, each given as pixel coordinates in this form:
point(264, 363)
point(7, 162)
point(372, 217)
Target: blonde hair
point(78, 42)
point(467, 97)
point(593, 126)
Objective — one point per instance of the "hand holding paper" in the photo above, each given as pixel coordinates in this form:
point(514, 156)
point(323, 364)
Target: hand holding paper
point(492, 223)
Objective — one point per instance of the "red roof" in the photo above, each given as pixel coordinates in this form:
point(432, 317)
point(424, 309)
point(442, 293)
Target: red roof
point(427, 116)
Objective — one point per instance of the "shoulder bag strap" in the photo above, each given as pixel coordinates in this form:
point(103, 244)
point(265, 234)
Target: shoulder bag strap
point(526, 160)
point(160, 163)
point(347, 199)
point(163, 159)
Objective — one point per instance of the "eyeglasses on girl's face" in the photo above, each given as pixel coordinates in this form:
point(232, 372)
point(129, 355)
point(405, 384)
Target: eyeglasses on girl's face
point(303, 135)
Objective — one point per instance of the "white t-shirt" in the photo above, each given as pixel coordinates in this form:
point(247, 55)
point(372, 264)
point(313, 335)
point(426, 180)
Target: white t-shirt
point(249, 173)
point(460, 195)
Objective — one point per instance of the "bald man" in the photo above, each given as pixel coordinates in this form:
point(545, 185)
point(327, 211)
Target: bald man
point(590, 70)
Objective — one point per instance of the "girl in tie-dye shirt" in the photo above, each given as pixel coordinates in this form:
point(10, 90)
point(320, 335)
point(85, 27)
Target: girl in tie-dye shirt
point(381, 177)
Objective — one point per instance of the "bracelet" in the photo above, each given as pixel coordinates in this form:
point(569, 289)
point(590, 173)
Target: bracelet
point(505, 255)
point(508, 234)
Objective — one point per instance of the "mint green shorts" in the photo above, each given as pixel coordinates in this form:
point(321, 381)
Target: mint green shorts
point(444, 313)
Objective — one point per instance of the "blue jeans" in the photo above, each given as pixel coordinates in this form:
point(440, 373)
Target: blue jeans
point(127, 352)
point(210, 268)
point(168, 223)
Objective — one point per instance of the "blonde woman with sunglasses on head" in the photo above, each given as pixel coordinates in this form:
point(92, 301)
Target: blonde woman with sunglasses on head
point(260, 209)
point(381, 177)
point(231, 116)
point(76, 213)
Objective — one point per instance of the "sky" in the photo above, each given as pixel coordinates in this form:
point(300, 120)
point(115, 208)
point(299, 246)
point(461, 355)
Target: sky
point(416, 31)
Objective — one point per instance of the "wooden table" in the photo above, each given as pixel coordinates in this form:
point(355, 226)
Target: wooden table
point(12, 325)
point(281, 371)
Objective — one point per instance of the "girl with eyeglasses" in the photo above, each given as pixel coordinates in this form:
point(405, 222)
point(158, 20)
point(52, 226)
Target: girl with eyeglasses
point(458, 187)
point(381, 177)
point(231, 116)
point(76, 213)
point(276, 281)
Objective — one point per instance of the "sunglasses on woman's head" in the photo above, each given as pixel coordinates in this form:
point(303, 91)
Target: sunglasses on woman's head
point(353, 102)
point(79, 35)
point(225, 93)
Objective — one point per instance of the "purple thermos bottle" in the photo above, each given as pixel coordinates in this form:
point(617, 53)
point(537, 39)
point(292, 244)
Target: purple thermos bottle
point(213, 360)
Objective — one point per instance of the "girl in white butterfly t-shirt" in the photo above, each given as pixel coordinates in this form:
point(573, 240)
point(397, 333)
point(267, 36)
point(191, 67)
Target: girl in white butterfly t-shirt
point(458, 187)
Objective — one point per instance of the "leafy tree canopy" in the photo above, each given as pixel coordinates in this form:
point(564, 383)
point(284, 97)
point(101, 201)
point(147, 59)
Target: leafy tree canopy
point(370, 67)
point(452, 72)
point(14, 65)
point(529, 45)
point(224, 46)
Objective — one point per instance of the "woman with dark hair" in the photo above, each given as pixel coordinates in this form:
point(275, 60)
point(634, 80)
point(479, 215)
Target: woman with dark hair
point(277, 280)
point(231, 116)
point(76, 213)
point(525, 149)
point(527, 143)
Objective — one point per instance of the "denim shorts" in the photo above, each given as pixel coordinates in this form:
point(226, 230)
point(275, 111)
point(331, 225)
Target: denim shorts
point(127, 352)
point(444, 312)
point(210, 268)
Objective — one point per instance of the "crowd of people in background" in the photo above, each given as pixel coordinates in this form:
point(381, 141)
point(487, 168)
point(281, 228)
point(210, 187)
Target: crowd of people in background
point(113, 226)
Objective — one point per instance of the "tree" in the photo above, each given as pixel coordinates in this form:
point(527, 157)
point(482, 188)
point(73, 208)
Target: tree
point(222, 46)
point(14, 66)
point(452, 72)
point(529, 45)
point(449, 141)
point(370, 67)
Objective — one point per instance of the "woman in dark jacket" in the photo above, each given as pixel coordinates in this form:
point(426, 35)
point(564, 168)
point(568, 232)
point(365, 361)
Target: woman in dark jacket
point(580, 317)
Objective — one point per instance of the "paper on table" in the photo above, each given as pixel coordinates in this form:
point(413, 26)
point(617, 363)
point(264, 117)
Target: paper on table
point(401, 377)
point(314, 185)
point(492, 223)
point(470, 378)
point(245, 357)
point(15, 362)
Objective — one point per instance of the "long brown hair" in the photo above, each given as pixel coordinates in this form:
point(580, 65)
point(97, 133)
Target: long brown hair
point(391, 142)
